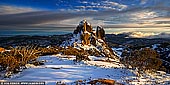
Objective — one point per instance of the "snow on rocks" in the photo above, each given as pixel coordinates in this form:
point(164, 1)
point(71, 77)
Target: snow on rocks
point(118, 51)
point(155, 46)
point(104, 62)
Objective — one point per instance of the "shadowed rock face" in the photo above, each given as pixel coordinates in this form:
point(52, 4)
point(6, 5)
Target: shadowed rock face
point(100, 33)
point(93, 40)
point(83, 27)
point(88, 27)
point(78, 29)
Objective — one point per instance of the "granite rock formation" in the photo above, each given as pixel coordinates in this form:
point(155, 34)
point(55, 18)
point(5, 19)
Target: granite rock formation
point(84, 37)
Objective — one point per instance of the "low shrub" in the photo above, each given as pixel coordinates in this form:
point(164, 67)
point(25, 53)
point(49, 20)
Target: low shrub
point(80, 54)
point(49, 50)
point(12, 61)
point(143, 60)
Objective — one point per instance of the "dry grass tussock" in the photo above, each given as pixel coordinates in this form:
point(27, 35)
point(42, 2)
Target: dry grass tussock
point(16, 59)
point(142, 60)
point(80, 54)
point(49, 50)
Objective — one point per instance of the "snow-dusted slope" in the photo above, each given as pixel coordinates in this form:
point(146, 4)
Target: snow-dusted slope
point(61, 69)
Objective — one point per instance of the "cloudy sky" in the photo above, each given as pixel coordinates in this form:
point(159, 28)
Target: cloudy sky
point(114, 15)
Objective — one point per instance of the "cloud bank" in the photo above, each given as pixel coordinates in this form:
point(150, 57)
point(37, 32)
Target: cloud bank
point(149, 35)
point(110, 14)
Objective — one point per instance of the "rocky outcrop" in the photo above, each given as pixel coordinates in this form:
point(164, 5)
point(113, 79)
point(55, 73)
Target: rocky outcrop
point(84, 37)
point(84, 29)
point(87, 35)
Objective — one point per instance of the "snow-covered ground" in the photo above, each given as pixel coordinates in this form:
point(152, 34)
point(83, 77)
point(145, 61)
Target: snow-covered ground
point(61, 68)
point(118, 51)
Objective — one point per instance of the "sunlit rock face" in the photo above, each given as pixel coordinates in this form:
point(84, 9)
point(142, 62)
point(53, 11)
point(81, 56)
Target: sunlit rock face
point(86, 35)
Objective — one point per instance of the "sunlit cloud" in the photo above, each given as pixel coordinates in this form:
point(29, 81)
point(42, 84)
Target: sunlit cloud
point(102, 5)
point(150, 35)
point(156, 30)
point(7, 9)
point(143, 2)
point(144, 15)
